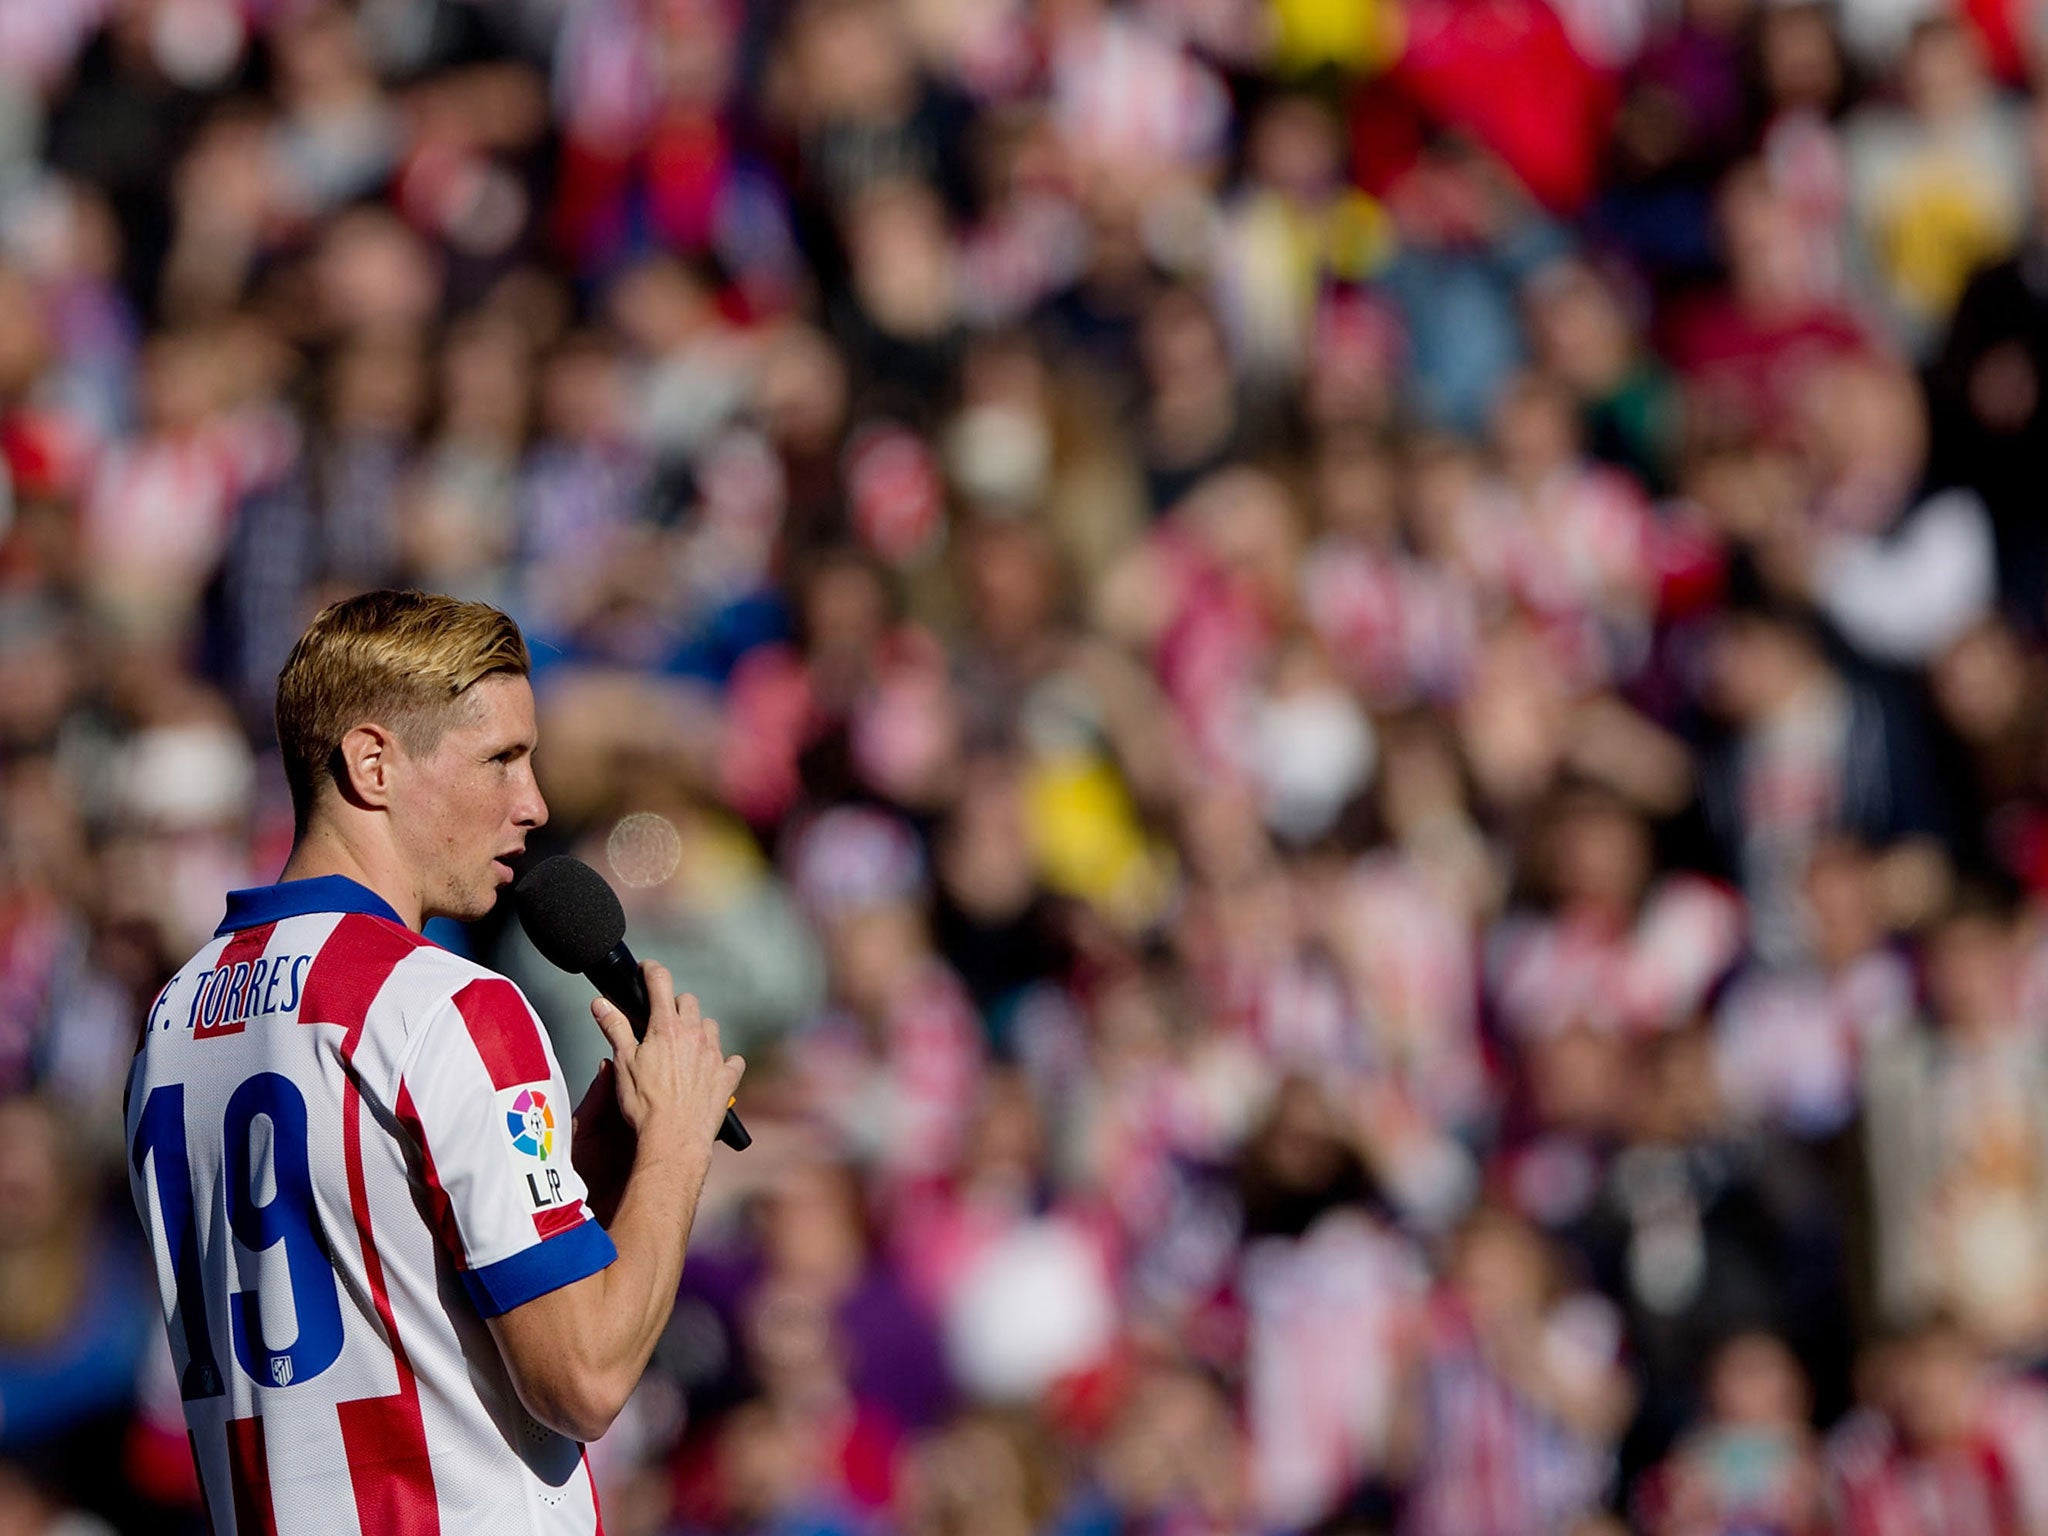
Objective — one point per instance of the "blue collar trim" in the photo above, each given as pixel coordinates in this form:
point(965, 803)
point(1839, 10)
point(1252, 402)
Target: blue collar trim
point(295, 898)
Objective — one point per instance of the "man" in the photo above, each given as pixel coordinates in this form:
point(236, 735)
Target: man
point(390, 1305)
point(1812, 751)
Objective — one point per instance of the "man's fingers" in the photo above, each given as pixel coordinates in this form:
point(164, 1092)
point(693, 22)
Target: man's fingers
point(615, 1027)
point(661, 992)
point(675, 1068)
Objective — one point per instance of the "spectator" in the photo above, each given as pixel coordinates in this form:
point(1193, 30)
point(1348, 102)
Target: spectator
point(1792, 1040)
point(77, 1317)
point(1930, 1450)
point(1813, 753)
point(1986, 393)
point(1939, 187)
point(1951, 1136)
point(1700, 1236)
point(1614, 953)
point(1518, 1394)
point(1744, 353)
point(1899, 573)
point(1754, 1463)
point(1629, 410)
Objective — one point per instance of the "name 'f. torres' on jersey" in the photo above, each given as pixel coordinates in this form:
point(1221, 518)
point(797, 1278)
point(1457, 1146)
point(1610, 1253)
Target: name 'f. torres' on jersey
point(350, 1148)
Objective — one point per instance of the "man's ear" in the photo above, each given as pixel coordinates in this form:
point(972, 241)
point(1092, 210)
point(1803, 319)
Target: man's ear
point(365, 765)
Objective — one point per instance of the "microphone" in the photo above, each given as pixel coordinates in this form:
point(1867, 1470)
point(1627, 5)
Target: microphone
point(574, 919)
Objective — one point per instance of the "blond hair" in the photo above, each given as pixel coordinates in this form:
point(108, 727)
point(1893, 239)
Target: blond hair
point(401, 659)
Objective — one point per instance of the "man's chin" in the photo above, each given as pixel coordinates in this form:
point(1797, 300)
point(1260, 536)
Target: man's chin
point(469, 906)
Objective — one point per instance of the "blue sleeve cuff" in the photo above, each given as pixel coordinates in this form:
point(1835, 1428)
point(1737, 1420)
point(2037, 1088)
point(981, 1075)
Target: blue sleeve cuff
point(547, 1266)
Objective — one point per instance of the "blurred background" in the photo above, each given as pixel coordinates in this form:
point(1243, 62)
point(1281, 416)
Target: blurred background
point(1348, 700)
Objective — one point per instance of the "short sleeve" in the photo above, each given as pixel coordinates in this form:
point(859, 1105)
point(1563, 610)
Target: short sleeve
point(485, 1101)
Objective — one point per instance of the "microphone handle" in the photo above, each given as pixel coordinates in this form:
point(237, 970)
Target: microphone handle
point(618, 977)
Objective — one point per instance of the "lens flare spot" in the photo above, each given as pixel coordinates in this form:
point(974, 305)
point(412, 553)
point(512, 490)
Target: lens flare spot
point(644, 849)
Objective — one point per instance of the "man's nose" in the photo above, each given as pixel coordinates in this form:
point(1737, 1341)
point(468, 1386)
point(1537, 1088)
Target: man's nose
point(532, 810)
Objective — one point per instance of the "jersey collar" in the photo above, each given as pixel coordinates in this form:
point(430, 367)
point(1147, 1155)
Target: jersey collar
point(296, 898)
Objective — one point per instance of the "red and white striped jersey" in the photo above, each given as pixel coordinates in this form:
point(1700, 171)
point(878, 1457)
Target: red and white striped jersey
point(349, 1148)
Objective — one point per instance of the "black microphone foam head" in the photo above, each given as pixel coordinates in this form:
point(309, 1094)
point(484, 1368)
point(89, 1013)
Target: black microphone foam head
point(569, 911)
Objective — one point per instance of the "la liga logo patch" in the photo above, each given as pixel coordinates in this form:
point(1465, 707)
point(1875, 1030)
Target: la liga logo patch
point(530, 1122)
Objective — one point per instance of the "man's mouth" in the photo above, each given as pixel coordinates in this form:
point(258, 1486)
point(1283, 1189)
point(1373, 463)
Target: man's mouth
point(508, 863)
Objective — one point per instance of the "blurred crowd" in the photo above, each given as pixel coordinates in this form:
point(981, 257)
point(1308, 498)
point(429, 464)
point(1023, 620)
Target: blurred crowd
point(1347, 698)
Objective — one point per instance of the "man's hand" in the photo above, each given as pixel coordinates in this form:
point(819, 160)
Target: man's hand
point(576, 1352)
point(677, 1082)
